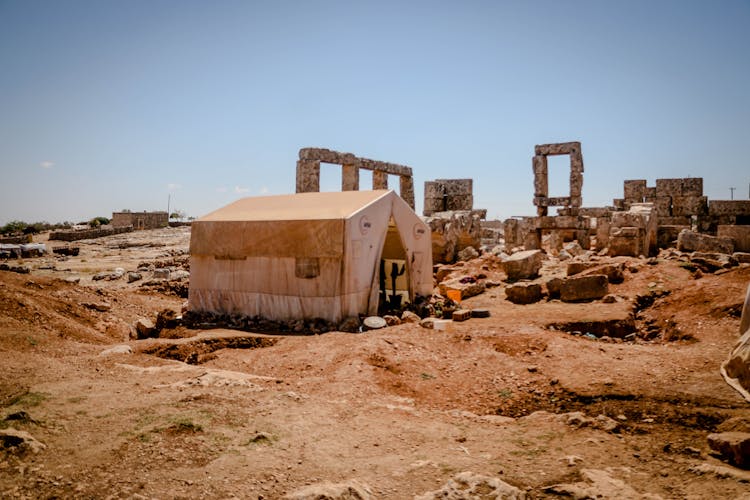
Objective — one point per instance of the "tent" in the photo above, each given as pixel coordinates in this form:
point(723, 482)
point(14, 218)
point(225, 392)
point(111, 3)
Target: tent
point(307, 255)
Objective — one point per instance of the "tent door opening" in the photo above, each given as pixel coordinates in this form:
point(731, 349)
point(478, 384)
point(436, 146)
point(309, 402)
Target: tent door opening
point(393, 274)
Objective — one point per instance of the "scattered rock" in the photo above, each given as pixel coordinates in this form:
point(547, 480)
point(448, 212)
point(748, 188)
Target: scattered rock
point(741, 257)
point(467, 285)
point(609, 299)
point(144, 328)
point(73, 279)
point(579, 419)
point(352, 490)
point(584, 288)
point(578, 267)
point(19, 442)
point(391, 320)
point(523, 265)
point(733, 447)
point(179, 274)
point(597, 484)
point(410, 317)
point(161, 274)
point(468, 486)
point(134, 277)
point(97, 306)
point(524, 293)
point(167, 318)
point(734, 424)
point(574, 248)
point(613, 272)
point(468, 253)
point(350, 325)
point(374, 323)
point(118, 349)
point(428, 323)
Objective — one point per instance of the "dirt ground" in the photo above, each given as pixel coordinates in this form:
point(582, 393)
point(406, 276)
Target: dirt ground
point(398, 411)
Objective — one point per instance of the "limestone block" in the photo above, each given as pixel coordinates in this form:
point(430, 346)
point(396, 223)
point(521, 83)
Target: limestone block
point(584, 288)
point(349, 178)
point(613, 272)
point(553, 287)
point(634, 190)
point(379, 180)
point(742, 258)
point(650, 194)
point(682, 220)
point(467, 288)
point(308, 176)
point(689, 241)
point(541, 178)
point(524, 293)
point(433, 205)
point(740, 236)
point(692, 186)
point(459, 202)
point(561, 148)
point(452, 232)
point(579, 267)
point(406, 189)
point(729, 207)
point(668, 187)
point(532, 240)
point(576, 184)
point(456, 186)
point(523, 265)
point(733, 447)
point(619, 204)
point(624, 244)
point(664, 206)
point(689, 205)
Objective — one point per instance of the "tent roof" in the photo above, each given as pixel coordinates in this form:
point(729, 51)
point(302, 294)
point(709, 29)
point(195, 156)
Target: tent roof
point(300, 206)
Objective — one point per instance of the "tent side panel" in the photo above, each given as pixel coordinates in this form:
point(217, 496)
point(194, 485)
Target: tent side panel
point(270, 288)
point(241, 239)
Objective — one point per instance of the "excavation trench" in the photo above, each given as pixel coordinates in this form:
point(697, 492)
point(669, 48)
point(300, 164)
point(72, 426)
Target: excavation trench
point(196, 351)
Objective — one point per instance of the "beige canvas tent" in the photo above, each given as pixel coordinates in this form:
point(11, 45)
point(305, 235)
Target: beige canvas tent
point(306, 255)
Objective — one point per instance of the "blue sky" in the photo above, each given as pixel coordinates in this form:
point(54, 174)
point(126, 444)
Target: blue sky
point(110, 105)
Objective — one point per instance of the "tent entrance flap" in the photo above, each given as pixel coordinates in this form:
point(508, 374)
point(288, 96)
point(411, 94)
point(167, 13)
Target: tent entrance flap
point(393, 272)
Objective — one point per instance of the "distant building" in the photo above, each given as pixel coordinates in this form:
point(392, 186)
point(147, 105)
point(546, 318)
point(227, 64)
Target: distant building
point(140, 220)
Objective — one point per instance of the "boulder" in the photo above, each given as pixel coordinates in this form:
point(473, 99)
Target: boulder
point(161, 274)
point(576, 267)
point(736, 369)
point(454, 231)
point(391, 320)
point(118, 349)
point(19, 442)
point(523, 265)
point(524, 293)
point(584, 288)
point(733, 447)
point(350, 325)
point(690, 241)
point(613, 272)
point(410, 317)
point(144, 328)
point(467, 285)
point(553, 288)
point(428, 323)
point(574, 248)
point(468, 253)
point(132, 276)
point(468, 485)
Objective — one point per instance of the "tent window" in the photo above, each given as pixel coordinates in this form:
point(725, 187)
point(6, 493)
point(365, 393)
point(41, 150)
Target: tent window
point(307, 267)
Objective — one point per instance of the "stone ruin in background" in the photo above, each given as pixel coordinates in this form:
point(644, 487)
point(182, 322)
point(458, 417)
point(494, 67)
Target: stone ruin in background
point(308, 172)
point(674, 212)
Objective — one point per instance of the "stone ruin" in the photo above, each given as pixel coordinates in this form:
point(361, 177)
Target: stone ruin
point(643, 221)
point(569, 223)
point(449, 211)
point(308, 172)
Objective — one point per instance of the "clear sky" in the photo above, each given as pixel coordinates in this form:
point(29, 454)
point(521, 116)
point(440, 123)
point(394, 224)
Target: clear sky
point(111, 105)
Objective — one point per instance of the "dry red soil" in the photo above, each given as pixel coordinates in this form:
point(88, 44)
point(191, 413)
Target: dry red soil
point(400, 410)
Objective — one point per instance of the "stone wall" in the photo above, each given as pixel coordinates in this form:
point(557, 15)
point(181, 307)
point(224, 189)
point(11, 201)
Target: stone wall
point(442, 195)
point(140, 220)
point(88, 233)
